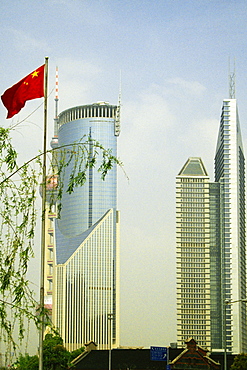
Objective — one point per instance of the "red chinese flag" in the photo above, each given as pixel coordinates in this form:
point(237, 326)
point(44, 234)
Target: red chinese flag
point(30, 87)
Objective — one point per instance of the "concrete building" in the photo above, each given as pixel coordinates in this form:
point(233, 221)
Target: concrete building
point(211, 254)
point(193, 253)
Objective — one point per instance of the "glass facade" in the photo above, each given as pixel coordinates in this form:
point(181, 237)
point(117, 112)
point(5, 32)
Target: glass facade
point(230, 173)
point(85, 290)
point(82, 208)
point(215, 267)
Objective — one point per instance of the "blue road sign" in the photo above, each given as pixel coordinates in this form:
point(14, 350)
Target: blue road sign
point(158, 353)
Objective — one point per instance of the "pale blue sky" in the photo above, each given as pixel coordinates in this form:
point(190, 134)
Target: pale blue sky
point(173, 57)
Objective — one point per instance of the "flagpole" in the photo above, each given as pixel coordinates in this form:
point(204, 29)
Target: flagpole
point(42, 265)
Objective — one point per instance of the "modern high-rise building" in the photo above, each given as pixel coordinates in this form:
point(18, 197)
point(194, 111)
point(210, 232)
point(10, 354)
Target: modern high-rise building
point(211, 254)
point(230, 174)
point(193, 253)
point(85, 300)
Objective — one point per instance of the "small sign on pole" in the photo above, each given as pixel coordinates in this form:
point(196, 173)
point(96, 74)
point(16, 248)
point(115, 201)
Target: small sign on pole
point(158, 353)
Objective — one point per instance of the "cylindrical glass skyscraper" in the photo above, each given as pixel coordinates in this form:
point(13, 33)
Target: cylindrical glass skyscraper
point(82, 208)
point(86, 235)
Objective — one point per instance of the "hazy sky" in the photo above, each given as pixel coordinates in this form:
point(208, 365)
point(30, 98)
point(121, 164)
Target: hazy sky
point(173, 57)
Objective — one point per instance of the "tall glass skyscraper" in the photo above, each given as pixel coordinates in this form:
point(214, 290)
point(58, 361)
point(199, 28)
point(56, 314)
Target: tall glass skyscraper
point(85, 289)
point(230, 174)
point(211, 253)
point(193, 253)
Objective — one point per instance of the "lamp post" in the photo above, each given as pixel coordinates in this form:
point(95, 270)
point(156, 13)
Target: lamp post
point(226, 303)
point(110, 318)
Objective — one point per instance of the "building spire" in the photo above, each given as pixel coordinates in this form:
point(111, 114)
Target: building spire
point(232, 80)
point(56, 105)
point(54, 141)
point(117, 120)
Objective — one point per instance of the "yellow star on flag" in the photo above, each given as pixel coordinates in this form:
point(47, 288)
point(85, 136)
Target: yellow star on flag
point(35, 74)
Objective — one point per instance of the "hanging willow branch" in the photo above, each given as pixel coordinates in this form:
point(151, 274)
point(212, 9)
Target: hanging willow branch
point(18, 218)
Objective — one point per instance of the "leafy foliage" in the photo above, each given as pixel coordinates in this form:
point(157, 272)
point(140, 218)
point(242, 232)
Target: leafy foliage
point(77, 352)
point(27, 362)
point(240, 362)
point(71, 163)
point(55, 356)
point(18, 218)
point(17, 224)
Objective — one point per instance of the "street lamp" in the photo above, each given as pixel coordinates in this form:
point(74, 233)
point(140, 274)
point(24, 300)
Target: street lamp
point(226, 303)
point(110, 318)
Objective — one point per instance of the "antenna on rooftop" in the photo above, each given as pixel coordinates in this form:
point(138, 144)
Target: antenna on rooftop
point(56, 105)
point(117, 120)
point(54, 141)
point(232, 81)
